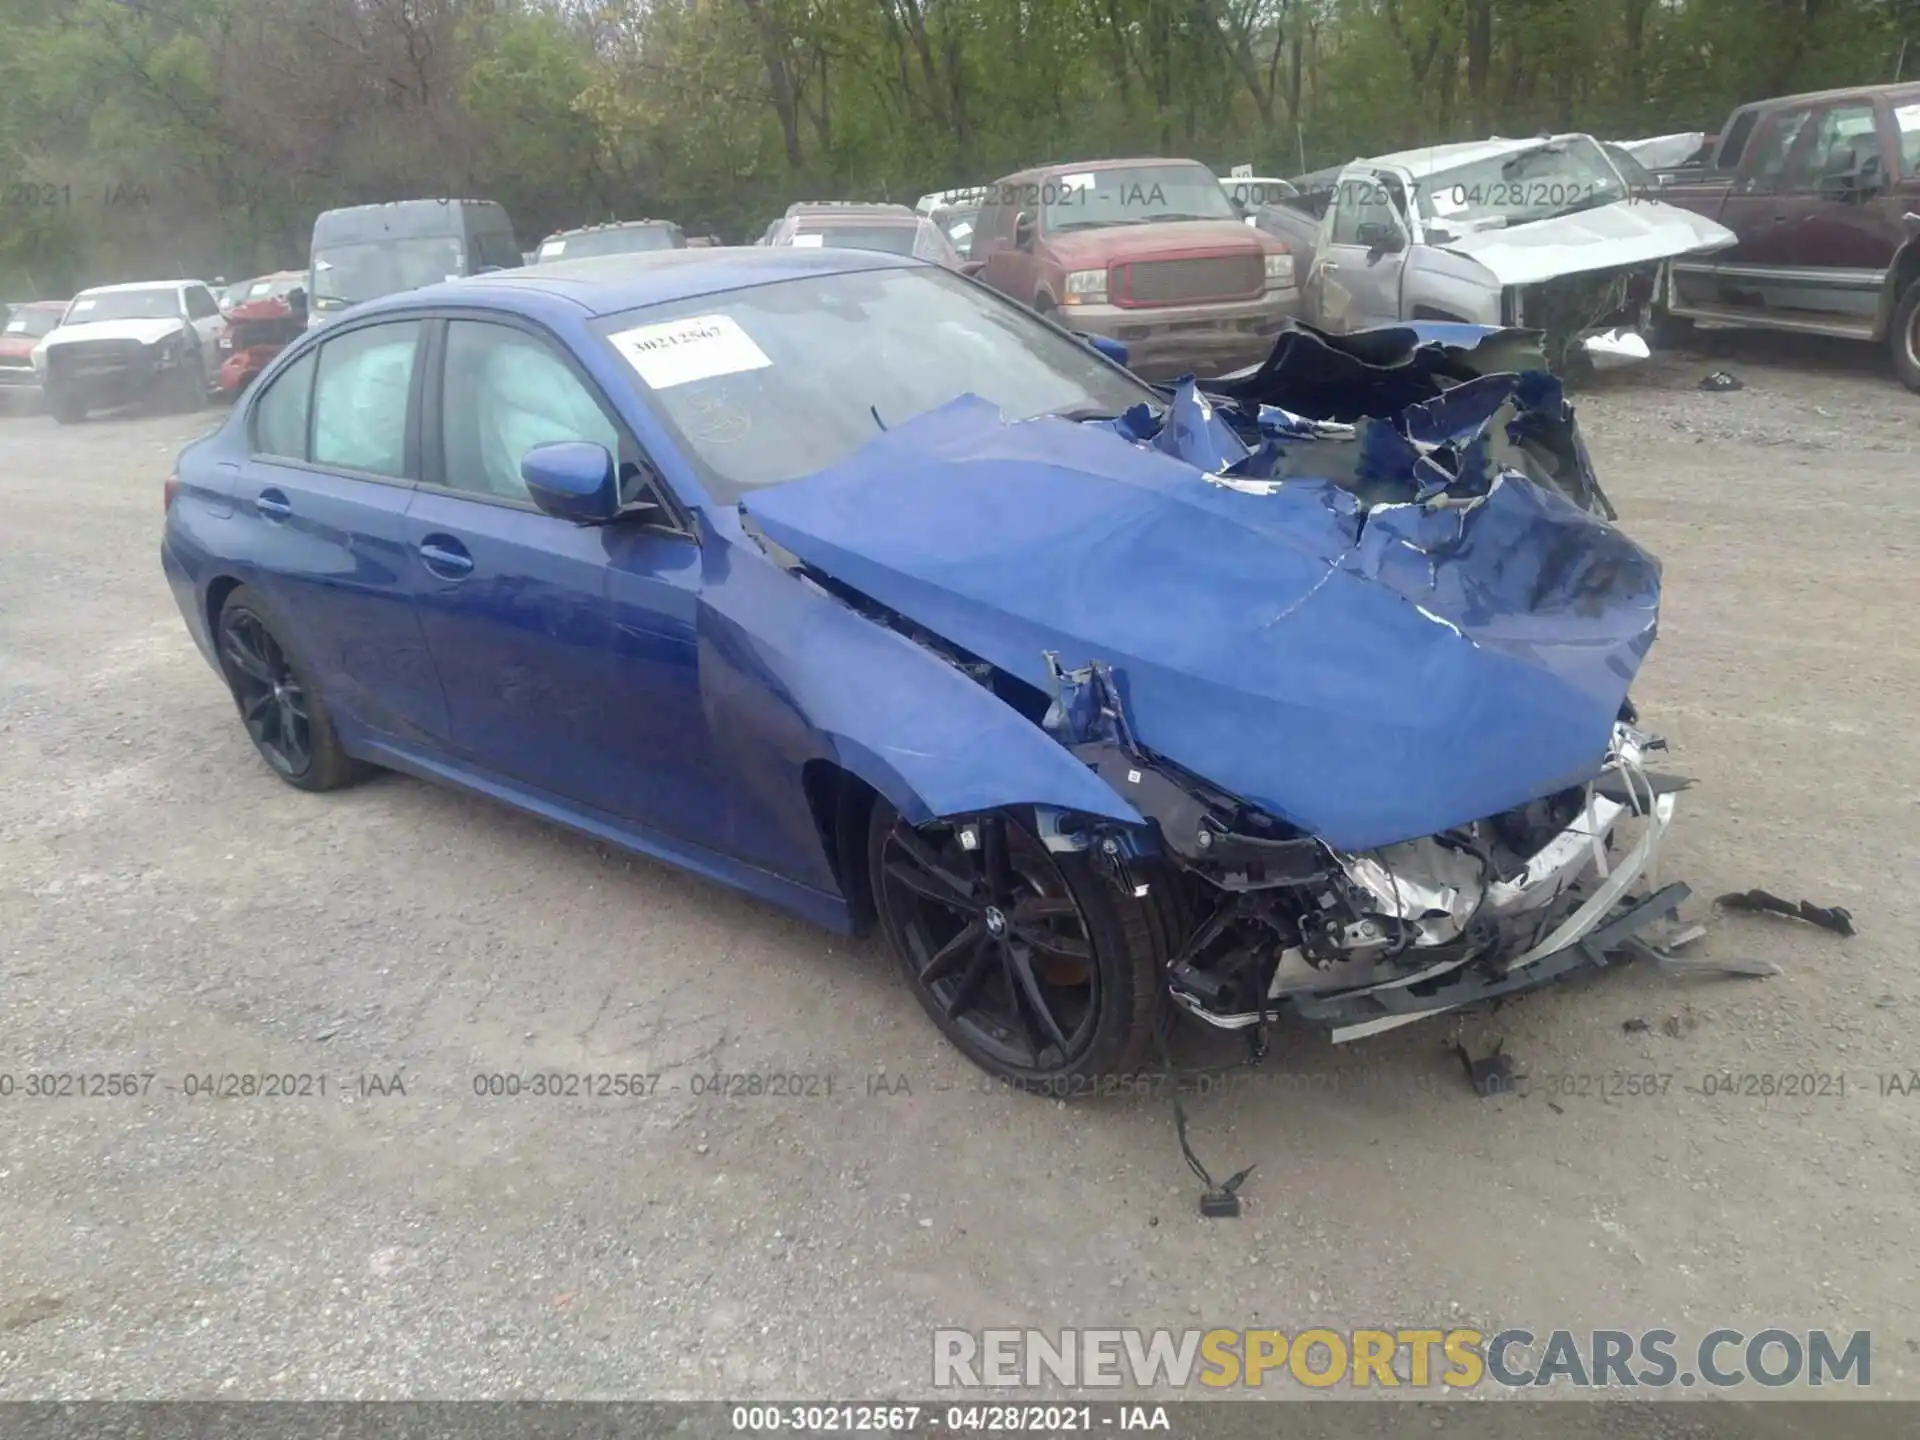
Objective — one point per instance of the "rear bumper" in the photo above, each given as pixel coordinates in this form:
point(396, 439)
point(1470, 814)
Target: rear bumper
point(1207, 338)
point(187, 596)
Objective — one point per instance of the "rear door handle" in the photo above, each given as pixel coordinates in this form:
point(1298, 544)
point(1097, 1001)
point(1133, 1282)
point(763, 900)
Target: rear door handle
point(273, 505)
point(446, 557)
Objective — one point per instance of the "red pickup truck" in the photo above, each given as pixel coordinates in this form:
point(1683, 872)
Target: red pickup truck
point(1823, 191)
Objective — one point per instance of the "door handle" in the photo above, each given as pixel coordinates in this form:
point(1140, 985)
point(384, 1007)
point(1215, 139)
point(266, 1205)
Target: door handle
point(446, 557)
point(273, 505)
point(1329, 265)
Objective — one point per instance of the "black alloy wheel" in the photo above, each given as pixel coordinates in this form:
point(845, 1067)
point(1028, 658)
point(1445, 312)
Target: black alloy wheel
point(273, 702)
point(1024, 957)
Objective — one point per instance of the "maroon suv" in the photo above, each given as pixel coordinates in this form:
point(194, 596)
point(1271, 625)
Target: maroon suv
point(1151, 253)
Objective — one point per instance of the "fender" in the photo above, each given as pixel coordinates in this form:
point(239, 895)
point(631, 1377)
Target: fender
point(884, 708)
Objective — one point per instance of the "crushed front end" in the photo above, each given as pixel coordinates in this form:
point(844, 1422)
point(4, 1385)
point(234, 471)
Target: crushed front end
point(1276, 920)
point(1351, 633)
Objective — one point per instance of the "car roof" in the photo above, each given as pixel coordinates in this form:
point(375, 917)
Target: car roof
point(1893, 91)
point(613, 225)
point(1075, 167)
point(864, 209)
point(41, 304)
point(136, 285)
point(889, 216)
point(1429, 159)
point(611, 284)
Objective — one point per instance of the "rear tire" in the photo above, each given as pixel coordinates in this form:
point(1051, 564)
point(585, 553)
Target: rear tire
point(279, 703)
point(1048, 977)
point(1903, 337)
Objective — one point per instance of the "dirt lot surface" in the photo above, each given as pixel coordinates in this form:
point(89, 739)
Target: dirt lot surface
point(168, 907)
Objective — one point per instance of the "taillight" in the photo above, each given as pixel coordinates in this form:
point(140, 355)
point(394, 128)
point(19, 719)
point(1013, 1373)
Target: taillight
point(171, 490)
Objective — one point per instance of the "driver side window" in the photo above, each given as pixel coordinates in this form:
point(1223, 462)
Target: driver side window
point(1364, 213)
point(506, 391)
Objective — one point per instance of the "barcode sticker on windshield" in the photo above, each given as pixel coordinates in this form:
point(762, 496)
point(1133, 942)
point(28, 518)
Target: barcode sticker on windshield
point(1907, 117)
point(815, 241)
point(1082, 181)
point(682, 351)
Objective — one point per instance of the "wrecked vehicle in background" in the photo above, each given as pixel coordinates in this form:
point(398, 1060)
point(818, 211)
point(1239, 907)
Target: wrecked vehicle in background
point(1308, 694)
point(1541, 233)
point(262, 319)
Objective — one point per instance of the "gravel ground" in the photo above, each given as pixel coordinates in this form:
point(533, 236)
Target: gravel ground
point(167, 907)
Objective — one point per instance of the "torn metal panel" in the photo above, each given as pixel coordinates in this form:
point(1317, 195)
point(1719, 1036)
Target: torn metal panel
point(1359, 646)
point(1627, 232)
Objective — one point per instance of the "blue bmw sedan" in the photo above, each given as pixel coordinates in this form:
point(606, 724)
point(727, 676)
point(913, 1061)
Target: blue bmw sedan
point(841, 580)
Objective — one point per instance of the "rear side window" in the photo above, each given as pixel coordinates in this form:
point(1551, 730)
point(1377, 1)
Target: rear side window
point(360, 398)
point(200, 305)
point(280, 414)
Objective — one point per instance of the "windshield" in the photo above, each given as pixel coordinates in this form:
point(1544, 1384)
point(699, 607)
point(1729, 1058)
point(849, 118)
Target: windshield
point(33, 323)
point(155, 304)
point(1547, 180)
point(766, 384)
point(1131, 195)
point(607, 242)
point(345, 275)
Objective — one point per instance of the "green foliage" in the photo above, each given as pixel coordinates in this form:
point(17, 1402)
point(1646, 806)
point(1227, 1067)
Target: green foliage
point(202, 135)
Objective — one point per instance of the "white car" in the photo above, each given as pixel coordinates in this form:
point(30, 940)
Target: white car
point(120, 343)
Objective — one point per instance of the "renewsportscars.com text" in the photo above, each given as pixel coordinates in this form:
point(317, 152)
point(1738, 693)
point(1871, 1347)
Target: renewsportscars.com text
point(1453, 1358)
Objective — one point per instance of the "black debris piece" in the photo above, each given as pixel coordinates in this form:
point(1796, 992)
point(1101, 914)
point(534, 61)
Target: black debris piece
point(1635, 1025)
point(1491, 1075)
point(1827, 917)
point(1721, 380)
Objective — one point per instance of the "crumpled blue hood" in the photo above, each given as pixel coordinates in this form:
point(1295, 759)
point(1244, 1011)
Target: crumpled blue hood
point(1369, 675)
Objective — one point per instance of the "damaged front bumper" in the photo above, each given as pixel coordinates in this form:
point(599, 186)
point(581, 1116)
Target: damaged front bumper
point(1377, 940)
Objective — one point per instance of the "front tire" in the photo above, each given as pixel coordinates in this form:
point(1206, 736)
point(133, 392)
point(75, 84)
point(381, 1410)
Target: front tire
point(279, 703)
point(66, 409)
point(190, 386)
point(1029, 960)
point(1903, 337)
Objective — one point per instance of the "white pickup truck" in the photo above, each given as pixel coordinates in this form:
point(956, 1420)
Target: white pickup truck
point(1546, 233)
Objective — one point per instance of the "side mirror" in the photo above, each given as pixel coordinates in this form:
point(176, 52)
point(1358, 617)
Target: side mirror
point(573, 480)
point(1239, 205)
point(1381, 240)
point(1110, 348)
point(1023, 232)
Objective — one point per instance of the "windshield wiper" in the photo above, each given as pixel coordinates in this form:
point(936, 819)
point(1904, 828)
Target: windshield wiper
point(1179, 215)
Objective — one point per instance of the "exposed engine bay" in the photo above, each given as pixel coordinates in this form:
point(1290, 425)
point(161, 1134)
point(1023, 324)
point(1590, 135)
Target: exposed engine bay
point(1602, 318)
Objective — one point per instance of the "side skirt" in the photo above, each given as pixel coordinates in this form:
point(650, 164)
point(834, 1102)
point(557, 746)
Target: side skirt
point(817, 906)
